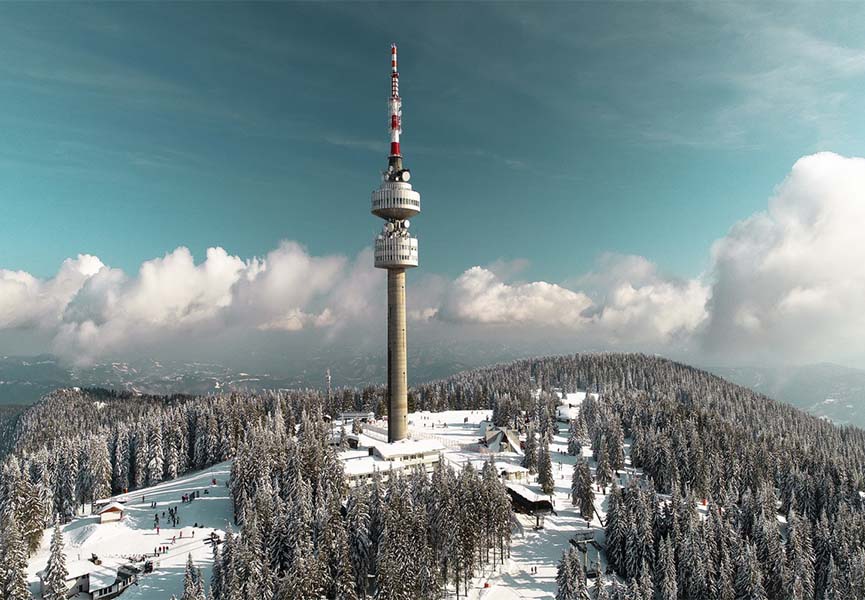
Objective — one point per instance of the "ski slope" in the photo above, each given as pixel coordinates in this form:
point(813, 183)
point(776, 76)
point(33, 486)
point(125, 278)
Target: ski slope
point(136, 535)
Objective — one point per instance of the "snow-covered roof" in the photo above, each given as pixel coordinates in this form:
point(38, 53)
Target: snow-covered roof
point(352, 454)
point(407, 448)
point(76, 569)
point(368, 465)
point(511, 468)
point(101, 576)
point(111, 507)
point(527, 493)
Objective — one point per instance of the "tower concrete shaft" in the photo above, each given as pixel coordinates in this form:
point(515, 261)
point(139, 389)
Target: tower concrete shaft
point(396, 250)
point(397, 378)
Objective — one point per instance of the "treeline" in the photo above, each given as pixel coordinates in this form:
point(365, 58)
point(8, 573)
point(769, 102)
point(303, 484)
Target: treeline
point(306, 536)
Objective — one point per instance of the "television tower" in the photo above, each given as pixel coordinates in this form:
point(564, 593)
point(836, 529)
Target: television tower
point(395, 250)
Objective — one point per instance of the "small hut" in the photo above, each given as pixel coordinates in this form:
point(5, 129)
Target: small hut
point(111, 512)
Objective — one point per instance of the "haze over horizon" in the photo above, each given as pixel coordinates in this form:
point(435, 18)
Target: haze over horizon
point(191, 181)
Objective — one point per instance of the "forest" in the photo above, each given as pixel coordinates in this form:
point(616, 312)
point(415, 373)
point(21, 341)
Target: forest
point(741, 497)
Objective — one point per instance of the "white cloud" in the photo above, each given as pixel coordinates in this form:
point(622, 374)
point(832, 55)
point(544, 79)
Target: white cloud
point(623, 304)
point(638, 305)
point(95, 311)
point(26, 301)
point(480, 296)
point(785, 284)
point(789, 283)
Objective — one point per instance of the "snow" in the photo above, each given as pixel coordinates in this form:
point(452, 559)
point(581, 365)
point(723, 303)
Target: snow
point(135, 534)
point(453, 433)
point(407, 448)
point(368, 465)
point(459, 431)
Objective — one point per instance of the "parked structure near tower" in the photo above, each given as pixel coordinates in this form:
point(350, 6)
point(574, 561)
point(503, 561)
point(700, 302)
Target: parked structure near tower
point(396, 250)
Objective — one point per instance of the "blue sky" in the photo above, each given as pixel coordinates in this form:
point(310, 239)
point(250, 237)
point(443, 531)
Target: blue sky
point(546, 134)
point(551, 133)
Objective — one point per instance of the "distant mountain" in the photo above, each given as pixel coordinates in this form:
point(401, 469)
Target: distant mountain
point(24, 380)
point(824, 390)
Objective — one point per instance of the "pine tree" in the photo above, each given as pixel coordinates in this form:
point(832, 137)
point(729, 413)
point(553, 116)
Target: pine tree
point(530, 456)
point(545, 469)
point(800, 560)
point(191, 578)
point(603, 473)
point(830, 588)
point(360, 544)
point(575, 445)
point(582, 494)
point(217, 577)
point(749, 578)
point(616, 529)
point(334, 545)
point(566, 578)
point(13, 561)
point(601, 592)
point(100, 466)
point(54, 579)
point(666, 580)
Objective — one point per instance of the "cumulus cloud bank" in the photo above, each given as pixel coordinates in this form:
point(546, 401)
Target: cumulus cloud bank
point(790, 282)
point(784, 284)
point(95, 311)
point(624, 303)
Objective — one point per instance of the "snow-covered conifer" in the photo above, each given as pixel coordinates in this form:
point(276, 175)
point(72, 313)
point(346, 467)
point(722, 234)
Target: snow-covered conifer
point(54, 578)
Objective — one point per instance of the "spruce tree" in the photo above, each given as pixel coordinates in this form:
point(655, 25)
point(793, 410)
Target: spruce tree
point(545, 470)
point(666, 581)
point(54, 578)
point(749, 577)
point(360, 545)
point(603, 473)
point(582, 493)
point(566, 578)
point(530, 456)
point(831, 589)
point(13, 561)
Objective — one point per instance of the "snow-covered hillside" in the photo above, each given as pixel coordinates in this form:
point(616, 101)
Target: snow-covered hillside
point(539, 551)
point(136, 535)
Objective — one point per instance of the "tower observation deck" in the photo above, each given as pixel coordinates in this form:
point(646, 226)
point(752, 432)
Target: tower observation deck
point(396, 250)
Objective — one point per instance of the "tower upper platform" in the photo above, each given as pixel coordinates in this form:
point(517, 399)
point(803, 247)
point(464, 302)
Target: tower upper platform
point(395, 200)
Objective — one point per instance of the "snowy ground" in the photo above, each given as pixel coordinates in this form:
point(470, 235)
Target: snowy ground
point(457, 430)
point(136, 535)
point(530, 548)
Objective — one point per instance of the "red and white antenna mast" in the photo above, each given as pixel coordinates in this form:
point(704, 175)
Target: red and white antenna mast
point(395, 109)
